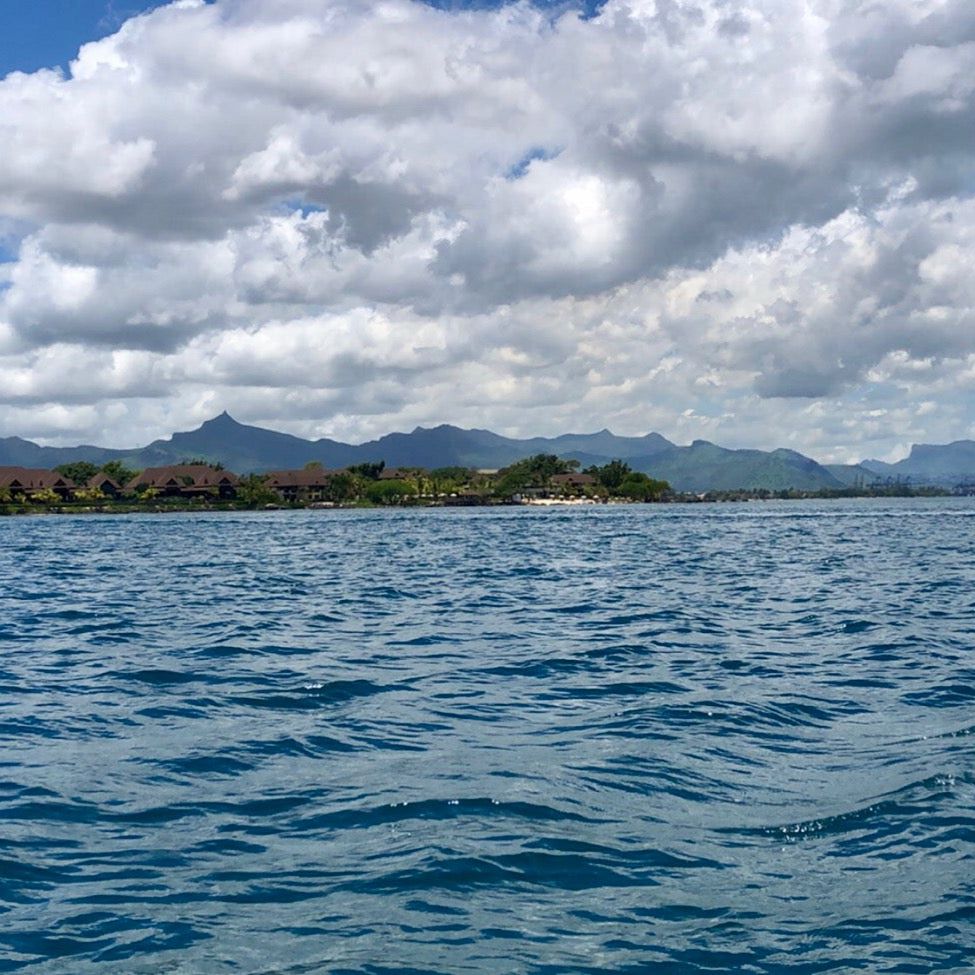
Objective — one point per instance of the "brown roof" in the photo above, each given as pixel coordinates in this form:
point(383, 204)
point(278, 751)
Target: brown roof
point(98, 480)
point(576, 480)
point(199, 475)
point(32, 479)
point(396, 473)
point(306, 477)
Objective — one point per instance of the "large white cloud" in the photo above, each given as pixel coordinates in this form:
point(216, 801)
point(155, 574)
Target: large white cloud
point(739, 219)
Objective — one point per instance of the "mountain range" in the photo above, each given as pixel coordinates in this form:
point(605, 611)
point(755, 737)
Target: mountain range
point(944, 464)
point(700, 466)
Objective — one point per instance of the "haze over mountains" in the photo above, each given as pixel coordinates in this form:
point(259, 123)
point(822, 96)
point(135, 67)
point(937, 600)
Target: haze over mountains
point(931, 463)
point(700, 466)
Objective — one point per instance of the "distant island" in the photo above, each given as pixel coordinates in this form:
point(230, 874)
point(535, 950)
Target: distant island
point(698, 469)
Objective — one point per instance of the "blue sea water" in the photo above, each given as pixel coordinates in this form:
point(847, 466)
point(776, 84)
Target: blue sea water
point(688, 739)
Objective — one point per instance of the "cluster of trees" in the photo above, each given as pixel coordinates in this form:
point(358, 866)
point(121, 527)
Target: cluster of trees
point(45, 496)
point(620, 480)
point(82, 471)
point(532, 472)
point(615, 479)
point(364, 482)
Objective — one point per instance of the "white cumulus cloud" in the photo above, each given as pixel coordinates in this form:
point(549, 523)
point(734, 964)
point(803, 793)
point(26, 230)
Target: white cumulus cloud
point(738, 219)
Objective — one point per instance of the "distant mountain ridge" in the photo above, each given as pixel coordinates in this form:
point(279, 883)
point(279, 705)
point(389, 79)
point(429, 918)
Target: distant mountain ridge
point(245, 448)
point(701, 466)
point(941, 464)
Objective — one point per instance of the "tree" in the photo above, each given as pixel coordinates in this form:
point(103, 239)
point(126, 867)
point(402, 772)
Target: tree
point(532, 472)
point(253, 490)
point(459, 475)
point(342, 487)
point(79, 471)
point(118, 472)
point(449, 480)
point(314, 465)
point(387, 492)
point(640, 487)
point(92, 495)
point(45, 496)
point(369, 470)
point(610, 475)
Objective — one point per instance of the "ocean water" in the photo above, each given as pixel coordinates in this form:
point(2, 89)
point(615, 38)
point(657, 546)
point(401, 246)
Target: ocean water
point(688, 739)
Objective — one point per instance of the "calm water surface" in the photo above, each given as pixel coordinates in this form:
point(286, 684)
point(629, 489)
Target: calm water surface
point(688, 739)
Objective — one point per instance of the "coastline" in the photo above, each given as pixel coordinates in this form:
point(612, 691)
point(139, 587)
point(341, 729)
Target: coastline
point(236, 507)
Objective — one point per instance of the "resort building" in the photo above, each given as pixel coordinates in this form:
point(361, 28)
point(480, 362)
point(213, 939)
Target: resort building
point(27, 481)
point(569, 483)
point(185, 481)
point(107, 485)
point(307, 484)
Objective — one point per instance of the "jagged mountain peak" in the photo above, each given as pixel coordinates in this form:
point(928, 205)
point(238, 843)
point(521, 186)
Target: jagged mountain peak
point(222, 421)
point(701, 466)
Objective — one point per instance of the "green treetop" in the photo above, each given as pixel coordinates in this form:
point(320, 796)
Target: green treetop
point(79, 471)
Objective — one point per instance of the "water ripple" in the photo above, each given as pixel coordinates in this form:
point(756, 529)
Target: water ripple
point(690, 739)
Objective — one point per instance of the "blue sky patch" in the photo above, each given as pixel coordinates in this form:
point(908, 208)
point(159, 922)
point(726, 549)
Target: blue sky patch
point(37, 34)
point(521, 167)
point(302, 206)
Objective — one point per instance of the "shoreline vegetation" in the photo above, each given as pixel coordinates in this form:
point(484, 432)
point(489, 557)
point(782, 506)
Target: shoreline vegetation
point(543, 480)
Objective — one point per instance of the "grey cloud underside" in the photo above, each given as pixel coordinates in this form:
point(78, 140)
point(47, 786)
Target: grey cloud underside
point(758, 199)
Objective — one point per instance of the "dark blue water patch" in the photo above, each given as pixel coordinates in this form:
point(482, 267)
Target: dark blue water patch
point(206, 765)
point(522, 871)
point(688, 739)
point(947, 695)
point(49, 810)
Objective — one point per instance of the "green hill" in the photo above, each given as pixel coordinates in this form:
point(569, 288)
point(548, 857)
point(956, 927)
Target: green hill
point(705, 466)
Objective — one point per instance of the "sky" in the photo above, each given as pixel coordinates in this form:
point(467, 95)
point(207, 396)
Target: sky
point(47, 33)
point(745, 221)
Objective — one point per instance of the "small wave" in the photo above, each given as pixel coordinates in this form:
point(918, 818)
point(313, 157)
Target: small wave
point(461, 873)
point(438, 810)
point(316, 695)
point(857, 626)
point(913, 801)
point(537, 668)
point(157, 677)
point(633, 688)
